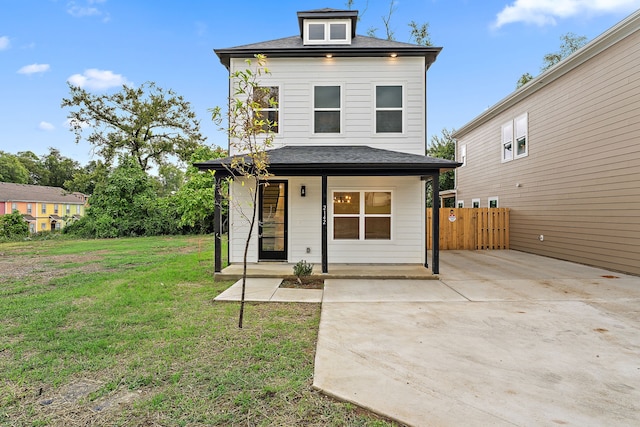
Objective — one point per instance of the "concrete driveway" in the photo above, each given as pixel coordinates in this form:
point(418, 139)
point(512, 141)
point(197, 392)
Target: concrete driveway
point(503, 338)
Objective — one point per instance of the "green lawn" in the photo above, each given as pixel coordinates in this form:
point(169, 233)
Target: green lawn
point(126, 332)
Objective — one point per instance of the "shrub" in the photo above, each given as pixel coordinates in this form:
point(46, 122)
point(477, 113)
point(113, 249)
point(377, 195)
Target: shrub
point(302, 269)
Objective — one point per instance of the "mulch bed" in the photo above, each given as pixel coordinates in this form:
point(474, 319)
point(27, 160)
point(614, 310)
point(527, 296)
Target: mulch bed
point(307, 283)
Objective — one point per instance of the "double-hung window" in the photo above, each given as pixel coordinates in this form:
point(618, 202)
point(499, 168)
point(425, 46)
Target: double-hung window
point(267, 99)
point(362, 215)
point(44, 208)
point(389, 109)
point(327, 109)
point(55, 209)
point(29, 208)
point(515, 138)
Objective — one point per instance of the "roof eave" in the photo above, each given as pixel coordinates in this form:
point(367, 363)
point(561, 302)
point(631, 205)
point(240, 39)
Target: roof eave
point(429, 53)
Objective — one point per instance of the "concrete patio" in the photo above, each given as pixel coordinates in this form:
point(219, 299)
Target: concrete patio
point(502, 339)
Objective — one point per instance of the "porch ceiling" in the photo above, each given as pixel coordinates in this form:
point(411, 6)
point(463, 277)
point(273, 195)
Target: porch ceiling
point(340, 161)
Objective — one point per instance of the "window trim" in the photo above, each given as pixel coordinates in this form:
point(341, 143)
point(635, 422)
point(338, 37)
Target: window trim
point(376, 109)
point(510, 130)
point(327, 31)
point(460, 203)
point(493, 199)
point(313, 109)
point(362, 215)
point(277, 109)
point(473, 203)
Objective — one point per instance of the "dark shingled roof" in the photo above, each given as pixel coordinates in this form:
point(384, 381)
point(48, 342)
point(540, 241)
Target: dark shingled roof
point(341, 160)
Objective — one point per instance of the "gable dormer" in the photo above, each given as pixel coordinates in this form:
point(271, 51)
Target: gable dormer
point(327, 26)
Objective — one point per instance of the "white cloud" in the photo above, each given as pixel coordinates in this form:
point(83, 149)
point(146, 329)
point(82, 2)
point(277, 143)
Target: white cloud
point(4, 43)
point(46, 126)
point(97, 79)
point(545, 12)
point(34, 68)
point(89, 9)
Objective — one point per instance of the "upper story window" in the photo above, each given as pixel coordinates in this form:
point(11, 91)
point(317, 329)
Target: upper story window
point(77, 209)
point(268, 99)
point(333, 31)
point(14, 207)
point(389, 109)
point(515, 138)
point(44, 208)
point(68, 210)
point(327, 102)
point(29, 208)
point(55, 209)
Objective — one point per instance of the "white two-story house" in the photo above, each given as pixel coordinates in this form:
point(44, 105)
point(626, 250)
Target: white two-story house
point(348, 160)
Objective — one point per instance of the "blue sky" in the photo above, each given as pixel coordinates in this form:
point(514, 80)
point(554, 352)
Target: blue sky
point(101, 44)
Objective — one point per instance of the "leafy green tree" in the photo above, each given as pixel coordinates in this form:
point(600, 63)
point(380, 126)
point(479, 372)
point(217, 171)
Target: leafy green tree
point(85, 179)
point(34, 165)
point(420, 33)
point(124, 205)
point(169, 180)
point(13, 225)
point(195, 199)
point(570, 42)
point(57, 168)
point(442, 147)
point(147, 123)
point(12, 170)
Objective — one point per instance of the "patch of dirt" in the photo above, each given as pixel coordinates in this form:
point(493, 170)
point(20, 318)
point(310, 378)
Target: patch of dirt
point(308, 282)
point(44, 268)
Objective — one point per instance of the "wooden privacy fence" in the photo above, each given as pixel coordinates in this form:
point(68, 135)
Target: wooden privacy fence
point(471, 228)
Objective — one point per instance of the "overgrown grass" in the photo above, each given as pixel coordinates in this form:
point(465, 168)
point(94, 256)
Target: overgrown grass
point(126, 332)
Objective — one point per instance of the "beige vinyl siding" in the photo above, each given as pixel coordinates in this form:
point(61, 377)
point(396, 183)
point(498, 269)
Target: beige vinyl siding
point(357, 76)
point(580, 184)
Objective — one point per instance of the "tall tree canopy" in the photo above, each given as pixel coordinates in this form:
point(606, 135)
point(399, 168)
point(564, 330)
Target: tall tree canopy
point(570, 43)
point(148, 123)
point(12, 170)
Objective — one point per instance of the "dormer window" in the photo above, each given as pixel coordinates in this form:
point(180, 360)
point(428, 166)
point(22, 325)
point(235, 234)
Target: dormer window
point(332, 31)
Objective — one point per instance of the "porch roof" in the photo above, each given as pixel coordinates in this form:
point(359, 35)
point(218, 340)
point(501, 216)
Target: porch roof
point(342, 160)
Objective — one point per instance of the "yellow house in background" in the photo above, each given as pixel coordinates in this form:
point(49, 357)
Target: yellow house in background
point(44, 208)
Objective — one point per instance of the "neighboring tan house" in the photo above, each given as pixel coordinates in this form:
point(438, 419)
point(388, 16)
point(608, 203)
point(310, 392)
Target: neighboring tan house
point(44, 208)
point(563, 153)
point(348, 160)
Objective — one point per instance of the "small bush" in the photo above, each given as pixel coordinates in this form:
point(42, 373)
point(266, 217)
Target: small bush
point(302, 269)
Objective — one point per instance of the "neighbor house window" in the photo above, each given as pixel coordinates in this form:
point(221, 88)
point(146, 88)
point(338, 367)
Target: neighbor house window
point(14, 207)
point(461, 203)
point(493, 202)
point(43, 226)
point(362, 215)
point(68, 210)
point(268, 98)
point(389, 109)
point(515, 138)
point(44, 208)
point(507, 142)
point(77, 209)
point(32, 227)
point(326, 109)
point(55, 209)
point(475, 203)
point(29, 208)
point(327, 32)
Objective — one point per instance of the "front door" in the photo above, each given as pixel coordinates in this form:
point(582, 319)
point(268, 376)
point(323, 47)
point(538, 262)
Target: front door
point(273, 221)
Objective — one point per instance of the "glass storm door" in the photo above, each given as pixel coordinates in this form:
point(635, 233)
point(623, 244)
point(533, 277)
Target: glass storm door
point(273, 221)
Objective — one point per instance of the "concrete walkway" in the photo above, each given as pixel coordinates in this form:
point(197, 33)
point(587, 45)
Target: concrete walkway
point(503, 338)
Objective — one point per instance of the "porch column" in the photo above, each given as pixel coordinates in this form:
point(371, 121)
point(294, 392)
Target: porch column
point(435, 259)
point(325, 264)
point(217, 223)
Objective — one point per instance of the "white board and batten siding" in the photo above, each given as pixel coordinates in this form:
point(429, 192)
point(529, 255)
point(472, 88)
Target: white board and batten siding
point(579, 186)
point(358, 78)
point(305, 222)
